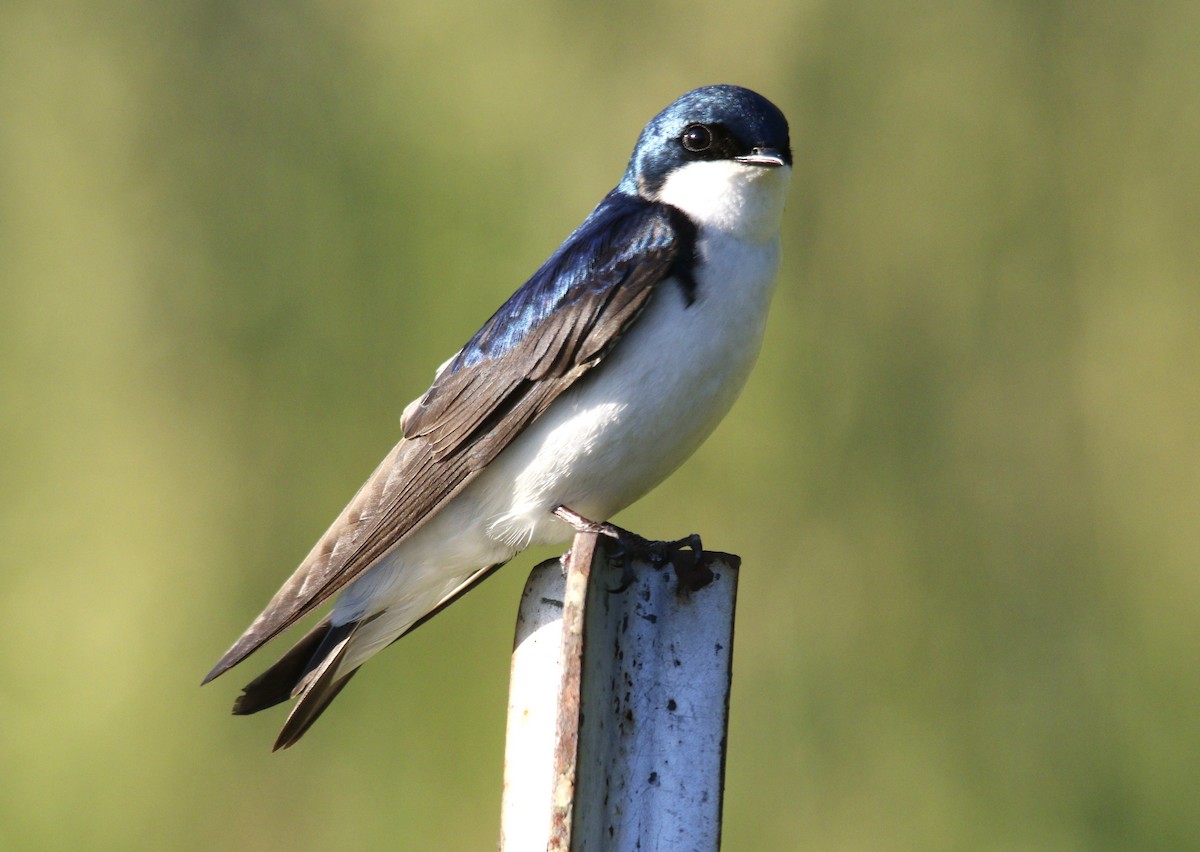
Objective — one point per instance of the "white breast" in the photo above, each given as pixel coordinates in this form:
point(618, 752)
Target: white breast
point(662, 390)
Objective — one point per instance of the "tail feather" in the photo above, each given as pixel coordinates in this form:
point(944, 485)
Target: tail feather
point(320, 684)
point(278, 683)
point(309, 670)
point(307, 710)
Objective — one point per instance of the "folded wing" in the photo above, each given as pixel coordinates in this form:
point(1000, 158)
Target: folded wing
point(559, 325)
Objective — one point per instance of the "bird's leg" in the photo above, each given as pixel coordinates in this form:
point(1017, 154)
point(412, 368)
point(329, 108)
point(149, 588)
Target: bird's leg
point(624, 542)
point(622, 536)
point(693, 576)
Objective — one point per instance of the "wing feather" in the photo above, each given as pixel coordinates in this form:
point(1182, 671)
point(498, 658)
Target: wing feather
point(552, 331)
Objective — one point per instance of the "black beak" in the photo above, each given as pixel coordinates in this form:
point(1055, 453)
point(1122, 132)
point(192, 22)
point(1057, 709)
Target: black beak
point(771, 158)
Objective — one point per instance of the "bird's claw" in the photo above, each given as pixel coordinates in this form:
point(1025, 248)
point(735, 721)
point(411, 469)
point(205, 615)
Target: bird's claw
point(691, 569)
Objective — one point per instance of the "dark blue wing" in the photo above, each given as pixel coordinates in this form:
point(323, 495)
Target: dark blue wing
point(622, 233)
point(556, 327)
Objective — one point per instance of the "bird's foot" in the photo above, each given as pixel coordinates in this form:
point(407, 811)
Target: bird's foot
point(690, 571)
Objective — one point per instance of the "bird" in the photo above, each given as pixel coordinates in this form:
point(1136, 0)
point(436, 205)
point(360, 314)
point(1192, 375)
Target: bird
point(591, 384)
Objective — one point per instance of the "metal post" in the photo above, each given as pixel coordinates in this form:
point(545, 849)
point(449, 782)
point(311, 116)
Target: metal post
point(619, 704)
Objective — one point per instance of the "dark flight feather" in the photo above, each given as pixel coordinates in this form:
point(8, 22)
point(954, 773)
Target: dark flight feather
point(278, 683)
point(320, 684)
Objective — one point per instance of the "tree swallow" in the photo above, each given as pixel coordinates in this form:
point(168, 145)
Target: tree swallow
point(590, 385)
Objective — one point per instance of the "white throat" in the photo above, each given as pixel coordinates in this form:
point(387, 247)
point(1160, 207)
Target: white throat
point(742, 200)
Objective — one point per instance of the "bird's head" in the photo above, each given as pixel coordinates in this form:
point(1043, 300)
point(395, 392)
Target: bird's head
point(721, 154)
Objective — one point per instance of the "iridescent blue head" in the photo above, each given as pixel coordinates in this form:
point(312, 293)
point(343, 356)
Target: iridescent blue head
point(710, 124)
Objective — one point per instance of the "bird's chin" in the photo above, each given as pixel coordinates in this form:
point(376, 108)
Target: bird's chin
point(740, 199)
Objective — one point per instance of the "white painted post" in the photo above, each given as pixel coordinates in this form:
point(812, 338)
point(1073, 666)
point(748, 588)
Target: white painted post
point(619, 704)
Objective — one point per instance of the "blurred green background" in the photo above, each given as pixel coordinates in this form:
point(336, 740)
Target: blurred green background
point(236, 238)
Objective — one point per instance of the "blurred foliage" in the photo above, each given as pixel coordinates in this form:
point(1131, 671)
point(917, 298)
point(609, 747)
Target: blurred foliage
point(236, 238)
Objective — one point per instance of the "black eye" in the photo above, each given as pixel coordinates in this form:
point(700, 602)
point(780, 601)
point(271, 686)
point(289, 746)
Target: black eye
point(696, 138)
